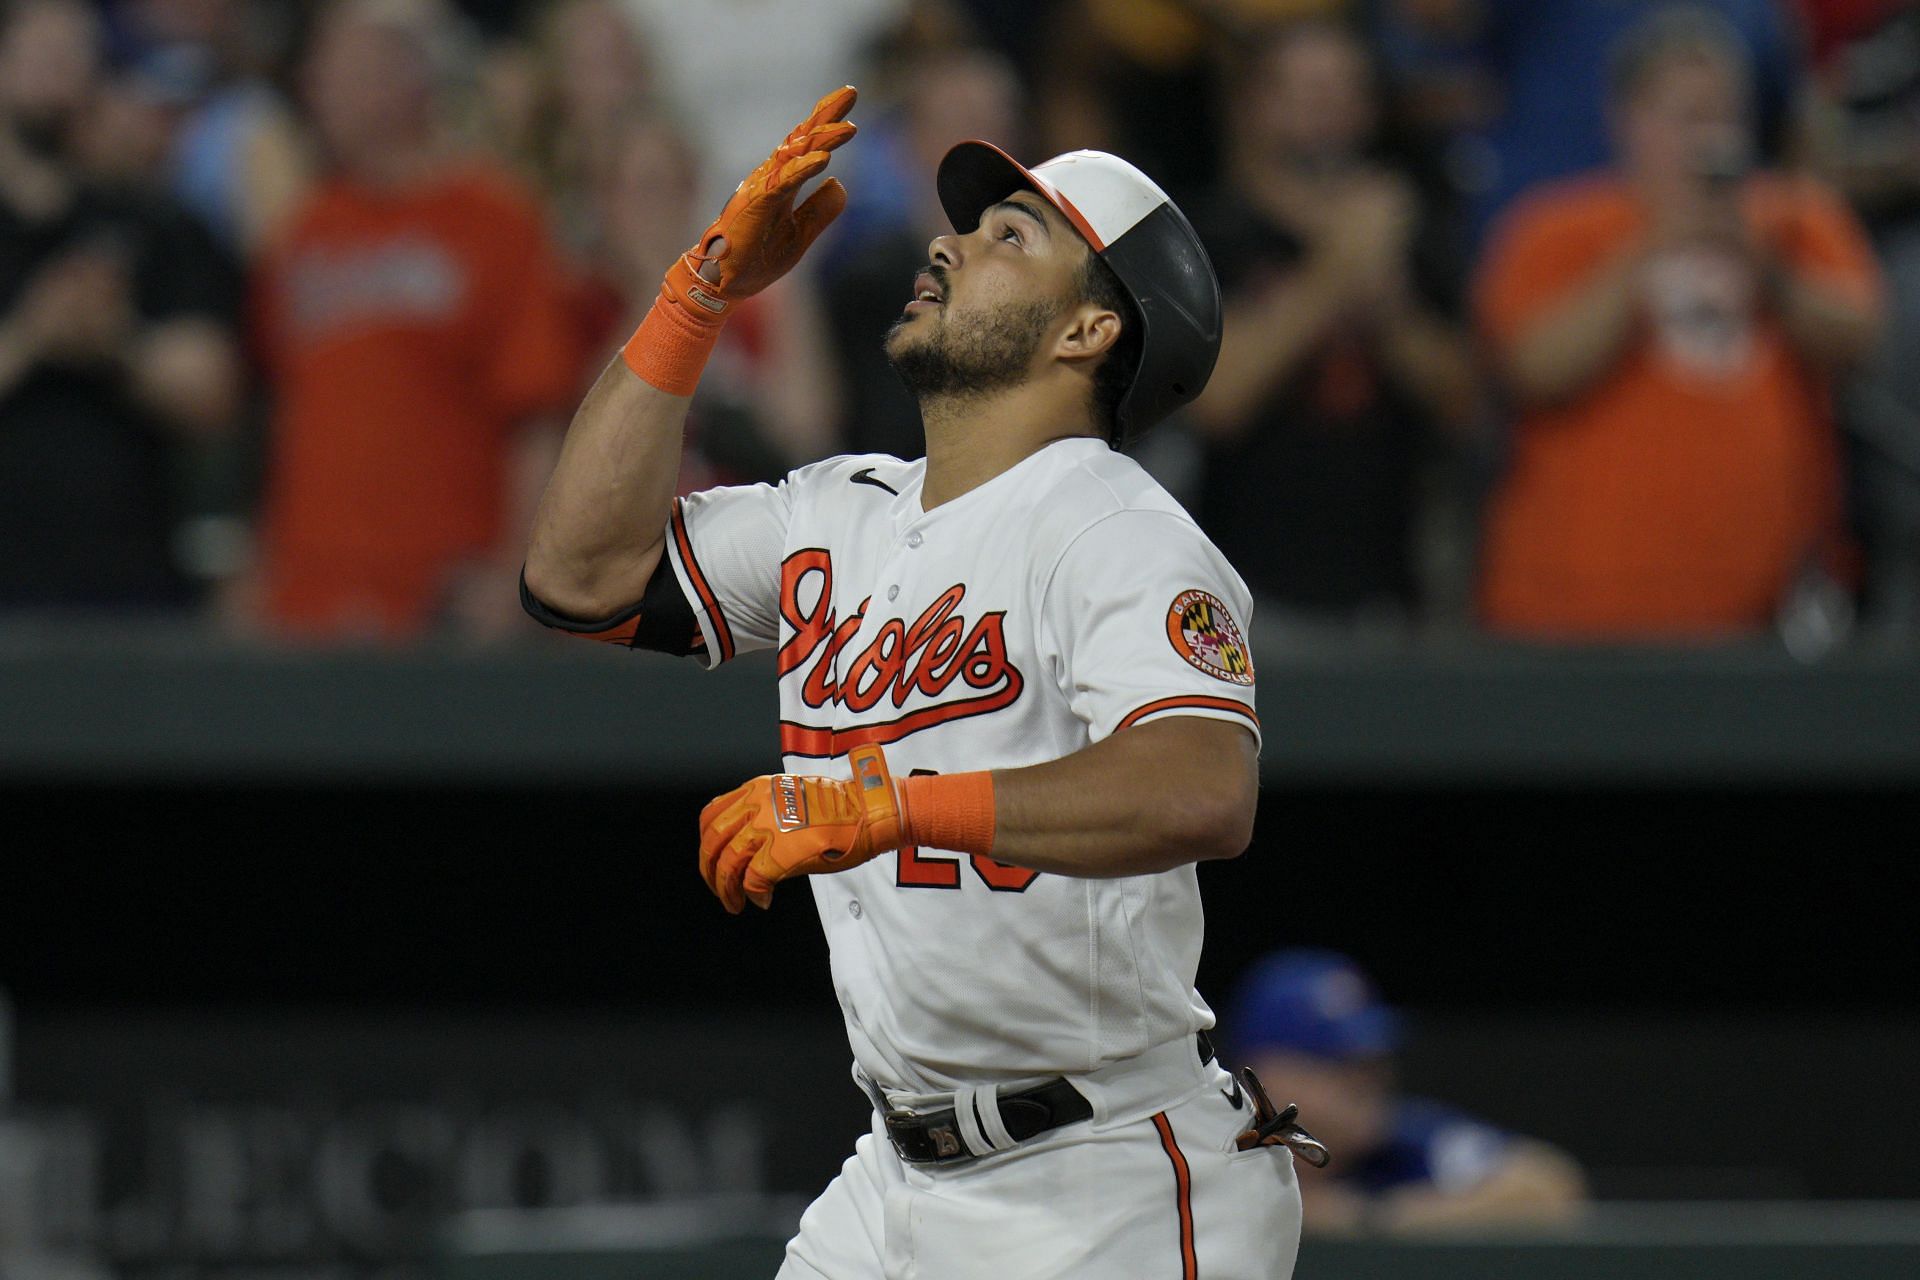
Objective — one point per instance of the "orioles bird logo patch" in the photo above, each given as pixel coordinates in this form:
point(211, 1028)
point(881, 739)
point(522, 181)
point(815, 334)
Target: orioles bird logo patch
point(1205, 634)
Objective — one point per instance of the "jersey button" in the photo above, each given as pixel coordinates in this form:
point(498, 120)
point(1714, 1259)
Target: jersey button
point(893, 593)
point(914, 539)
point(853, 908)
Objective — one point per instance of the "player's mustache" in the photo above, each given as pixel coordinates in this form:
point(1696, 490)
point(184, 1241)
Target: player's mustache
point(939, 274)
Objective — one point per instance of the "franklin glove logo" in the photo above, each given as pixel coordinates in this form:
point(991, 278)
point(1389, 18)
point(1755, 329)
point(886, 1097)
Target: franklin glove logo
point(789, 803)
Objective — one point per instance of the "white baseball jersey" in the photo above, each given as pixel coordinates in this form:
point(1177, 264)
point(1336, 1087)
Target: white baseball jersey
point(1066, 599)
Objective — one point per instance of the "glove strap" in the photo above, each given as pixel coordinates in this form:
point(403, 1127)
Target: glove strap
point(879, 799)
point(671, 346)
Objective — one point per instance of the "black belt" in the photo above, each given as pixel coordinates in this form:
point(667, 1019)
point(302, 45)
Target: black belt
point(934, 1137)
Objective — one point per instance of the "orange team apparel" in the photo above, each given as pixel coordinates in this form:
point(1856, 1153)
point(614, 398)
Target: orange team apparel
point(1680, 493)
point(407, 335)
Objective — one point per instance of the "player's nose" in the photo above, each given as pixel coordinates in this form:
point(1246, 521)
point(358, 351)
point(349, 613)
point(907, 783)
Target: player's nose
point(944, 251)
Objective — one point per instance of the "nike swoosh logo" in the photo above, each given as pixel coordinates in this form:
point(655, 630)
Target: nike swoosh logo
point(1233, 1096)
point(865, 476)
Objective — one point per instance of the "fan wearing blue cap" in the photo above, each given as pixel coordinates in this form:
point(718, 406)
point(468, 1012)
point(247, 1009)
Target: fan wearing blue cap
point(1316, 1032)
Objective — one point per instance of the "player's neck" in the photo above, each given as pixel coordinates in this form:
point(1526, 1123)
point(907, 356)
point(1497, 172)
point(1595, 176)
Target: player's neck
point(972, 439)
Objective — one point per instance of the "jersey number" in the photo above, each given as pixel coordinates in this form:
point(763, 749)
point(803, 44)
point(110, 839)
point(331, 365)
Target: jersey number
point(916, 870)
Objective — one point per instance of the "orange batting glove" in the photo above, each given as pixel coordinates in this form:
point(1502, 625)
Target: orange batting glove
point(757, 238)
point(786, 825)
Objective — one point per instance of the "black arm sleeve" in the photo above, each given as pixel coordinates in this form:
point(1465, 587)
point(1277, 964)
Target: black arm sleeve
point(662, 621)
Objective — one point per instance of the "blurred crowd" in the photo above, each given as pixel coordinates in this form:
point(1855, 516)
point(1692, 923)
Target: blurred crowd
point(1557, 320)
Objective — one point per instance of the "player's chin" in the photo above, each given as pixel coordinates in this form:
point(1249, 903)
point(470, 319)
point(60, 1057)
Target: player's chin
point(907, 332)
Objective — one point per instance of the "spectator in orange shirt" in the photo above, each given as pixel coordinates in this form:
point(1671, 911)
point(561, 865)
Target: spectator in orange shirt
point(1667, 333)
point(414, 323)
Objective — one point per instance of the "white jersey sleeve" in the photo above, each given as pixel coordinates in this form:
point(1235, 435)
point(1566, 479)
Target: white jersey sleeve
point(725, 547)
point(1142, 617)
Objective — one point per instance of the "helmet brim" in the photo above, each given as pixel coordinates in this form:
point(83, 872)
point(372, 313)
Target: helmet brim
point(974, 176)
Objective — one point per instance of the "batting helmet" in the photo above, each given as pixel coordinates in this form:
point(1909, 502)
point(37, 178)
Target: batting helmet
point(1136, 230)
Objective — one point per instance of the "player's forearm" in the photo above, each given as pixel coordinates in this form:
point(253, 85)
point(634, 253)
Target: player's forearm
point(1147, 799)
point(599, 528)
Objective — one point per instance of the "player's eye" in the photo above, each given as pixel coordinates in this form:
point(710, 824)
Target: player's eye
point(1010, 233)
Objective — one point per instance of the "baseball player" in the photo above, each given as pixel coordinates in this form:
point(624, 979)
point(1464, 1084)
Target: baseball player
point(1016, 707)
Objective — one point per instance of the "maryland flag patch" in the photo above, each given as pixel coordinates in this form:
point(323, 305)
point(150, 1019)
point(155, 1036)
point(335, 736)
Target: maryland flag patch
point(1205, 634)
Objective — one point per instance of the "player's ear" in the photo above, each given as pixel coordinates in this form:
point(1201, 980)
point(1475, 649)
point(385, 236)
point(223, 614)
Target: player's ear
point(1092, 331)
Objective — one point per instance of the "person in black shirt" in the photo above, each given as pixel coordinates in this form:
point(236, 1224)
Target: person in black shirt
point(1339, 357)
point(114, 342)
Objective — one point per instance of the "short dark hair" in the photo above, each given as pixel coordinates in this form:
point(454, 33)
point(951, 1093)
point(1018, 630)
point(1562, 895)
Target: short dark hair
point(1114, 375)
point(1683, 33)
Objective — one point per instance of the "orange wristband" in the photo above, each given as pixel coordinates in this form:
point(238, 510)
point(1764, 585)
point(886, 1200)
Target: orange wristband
point(672, 344)
point(948, 811)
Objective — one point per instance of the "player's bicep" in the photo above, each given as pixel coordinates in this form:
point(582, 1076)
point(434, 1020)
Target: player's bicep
point(1146, 620)
point(1216, 757)
point(714, 591)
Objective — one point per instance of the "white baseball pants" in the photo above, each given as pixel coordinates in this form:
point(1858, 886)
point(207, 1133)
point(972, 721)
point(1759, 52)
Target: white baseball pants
point(1163, 1196)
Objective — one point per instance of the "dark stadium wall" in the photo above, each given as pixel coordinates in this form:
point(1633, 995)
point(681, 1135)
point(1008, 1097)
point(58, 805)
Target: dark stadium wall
point(1659, 981)
point(1669, 900)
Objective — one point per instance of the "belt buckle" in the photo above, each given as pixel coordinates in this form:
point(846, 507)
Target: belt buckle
point(944, 1138)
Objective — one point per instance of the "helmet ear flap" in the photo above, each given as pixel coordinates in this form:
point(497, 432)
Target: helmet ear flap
point(1167, 274)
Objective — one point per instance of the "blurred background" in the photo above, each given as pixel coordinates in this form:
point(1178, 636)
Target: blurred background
point(1567, 432)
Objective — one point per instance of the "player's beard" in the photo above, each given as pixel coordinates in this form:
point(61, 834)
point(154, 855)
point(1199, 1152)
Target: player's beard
point(970, 359)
